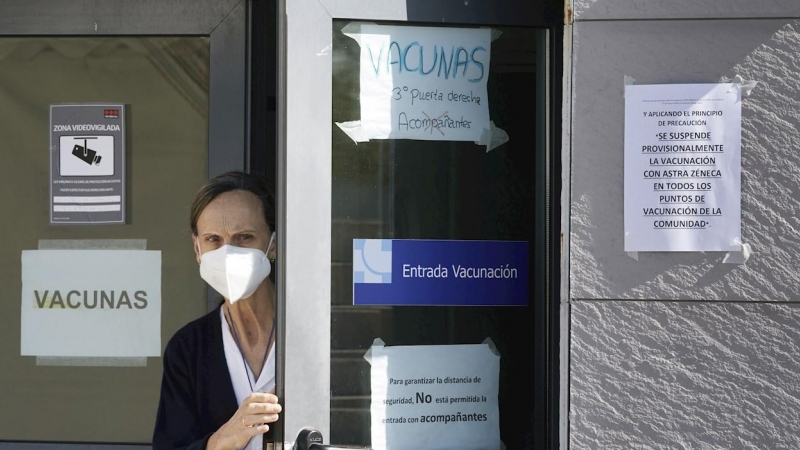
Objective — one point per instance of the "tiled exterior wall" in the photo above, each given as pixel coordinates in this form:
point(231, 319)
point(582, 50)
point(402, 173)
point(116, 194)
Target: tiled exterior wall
point(678, 350)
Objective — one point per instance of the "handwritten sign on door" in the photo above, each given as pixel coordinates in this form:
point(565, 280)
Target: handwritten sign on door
point(425, 83)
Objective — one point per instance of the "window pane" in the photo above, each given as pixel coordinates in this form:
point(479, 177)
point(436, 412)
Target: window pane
point(411, 189)
point(164, 82)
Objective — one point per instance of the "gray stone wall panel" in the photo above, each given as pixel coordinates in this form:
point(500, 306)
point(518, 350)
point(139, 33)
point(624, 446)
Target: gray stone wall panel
point(686, 52)
point(684, 375)
point(682, 9)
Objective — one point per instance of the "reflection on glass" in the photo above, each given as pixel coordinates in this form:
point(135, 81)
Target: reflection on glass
point(407, 189)
point(164, 82)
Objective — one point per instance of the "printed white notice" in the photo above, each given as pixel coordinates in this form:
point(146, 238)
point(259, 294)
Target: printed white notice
point(425, 83)
point(683, 167)
point(436, 397)
point(91, 303)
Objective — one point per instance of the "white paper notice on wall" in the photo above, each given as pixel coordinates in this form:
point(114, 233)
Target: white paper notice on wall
point(683, 167)
point(424, 83)
point(436, 397)
point(89, 303)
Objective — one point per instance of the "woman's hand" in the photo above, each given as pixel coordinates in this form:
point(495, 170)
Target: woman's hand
point(251, 419)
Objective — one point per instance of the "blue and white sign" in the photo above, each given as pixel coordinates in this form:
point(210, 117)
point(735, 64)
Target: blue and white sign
point(427, 272)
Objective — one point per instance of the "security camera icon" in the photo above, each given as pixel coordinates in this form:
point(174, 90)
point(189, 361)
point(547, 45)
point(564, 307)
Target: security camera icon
point(85, 154)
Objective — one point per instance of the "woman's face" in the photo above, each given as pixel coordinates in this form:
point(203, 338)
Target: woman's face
point(233, 218)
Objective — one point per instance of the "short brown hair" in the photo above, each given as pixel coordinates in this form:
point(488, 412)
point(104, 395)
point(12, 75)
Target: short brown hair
point(231, 181)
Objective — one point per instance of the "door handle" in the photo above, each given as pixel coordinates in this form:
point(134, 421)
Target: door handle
point(311, 439)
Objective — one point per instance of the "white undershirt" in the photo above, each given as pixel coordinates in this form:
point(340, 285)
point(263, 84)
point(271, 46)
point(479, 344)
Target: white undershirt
point(239, 378)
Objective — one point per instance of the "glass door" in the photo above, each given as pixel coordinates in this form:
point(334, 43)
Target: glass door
point(171, 77)
point(415, 189)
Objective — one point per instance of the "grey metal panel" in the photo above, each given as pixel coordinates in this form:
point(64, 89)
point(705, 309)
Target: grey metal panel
point(686, 52)
point(479, 12)
point(488, 12)
point(691, 375)
point(281, 220)
point(227, 94)
point(366, 9)
point(110, 17)
point(564, 250)
point(304, 184)
point(681, 9)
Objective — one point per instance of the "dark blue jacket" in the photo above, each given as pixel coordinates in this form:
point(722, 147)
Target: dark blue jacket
point(196, 391)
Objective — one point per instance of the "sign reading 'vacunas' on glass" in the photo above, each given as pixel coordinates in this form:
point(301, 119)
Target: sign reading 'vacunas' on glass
point(683, 167)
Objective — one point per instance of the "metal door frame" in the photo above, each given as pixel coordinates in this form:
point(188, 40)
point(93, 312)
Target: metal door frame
point(224, 22)
point(304, 184)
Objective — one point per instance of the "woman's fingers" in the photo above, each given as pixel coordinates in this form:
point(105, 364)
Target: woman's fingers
point(262, 408)
point(252, 419)
point(261, 397)
point(242, 427)
point(260, 403)
point(259, 419)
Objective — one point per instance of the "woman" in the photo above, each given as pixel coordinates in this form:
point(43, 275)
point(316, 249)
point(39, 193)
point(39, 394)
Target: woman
point(217, 390)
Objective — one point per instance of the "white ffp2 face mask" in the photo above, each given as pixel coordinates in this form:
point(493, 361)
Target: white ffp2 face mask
point(235, 272)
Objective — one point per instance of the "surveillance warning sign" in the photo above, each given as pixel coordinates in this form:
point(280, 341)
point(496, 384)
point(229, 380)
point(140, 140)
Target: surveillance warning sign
point(87, 164)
